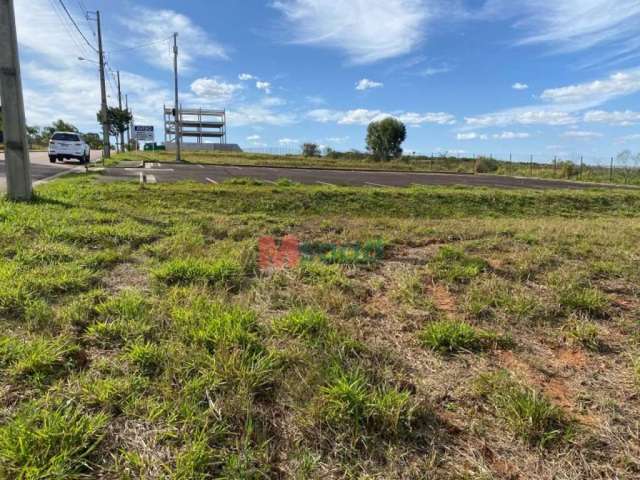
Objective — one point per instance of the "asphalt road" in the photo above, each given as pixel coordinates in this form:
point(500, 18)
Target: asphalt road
point(157, 173)
point(41, 168)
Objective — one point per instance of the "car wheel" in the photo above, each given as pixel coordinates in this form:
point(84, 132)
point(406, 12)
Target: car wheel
point(87, 158)
point(52, 159)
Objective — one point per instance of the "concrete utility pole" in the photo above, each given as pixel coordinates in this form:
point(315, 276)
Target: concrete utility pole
point(126, 104)
point(15, 131)
point(120, 107)
point(176, 117)
point(106, 149)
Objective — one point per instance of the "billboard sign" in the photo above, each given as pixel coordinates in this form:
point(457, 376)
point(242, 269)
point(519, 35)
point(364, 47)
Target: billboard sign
point(143, 133)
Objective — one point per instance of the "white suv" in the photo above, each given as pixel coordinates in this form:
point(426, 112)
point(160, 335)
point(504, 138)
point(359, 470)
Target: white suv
point(65, 145)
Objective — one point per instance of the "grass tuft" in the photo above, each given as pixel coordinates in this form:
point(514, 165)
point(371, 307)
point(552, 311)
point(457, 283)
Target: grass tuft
point(349, 399)
point(306, 322)
point(452, 336)
point(147, 357)
point(530, 415)
point(224, 272)
point(452, 265)
point(42, 443)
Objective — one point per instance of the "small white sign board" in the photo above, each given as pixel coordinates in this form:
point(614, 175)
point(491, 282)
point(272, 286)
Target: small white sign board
point(143, 133)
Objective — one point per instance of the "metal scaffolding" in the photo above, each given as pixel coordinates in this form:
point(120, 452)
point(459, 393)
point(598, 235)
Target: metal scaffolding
point(195, 123)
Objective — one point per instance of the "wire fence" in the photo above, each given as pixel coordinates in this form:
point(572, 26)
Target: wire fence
point(622, 168)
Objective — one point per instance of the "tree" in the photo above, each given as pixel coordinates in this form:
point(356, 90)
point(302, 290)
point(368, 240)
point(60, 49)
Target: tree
point(384, 138)
point(118, 119)
point(310, 150)
point(93, 140)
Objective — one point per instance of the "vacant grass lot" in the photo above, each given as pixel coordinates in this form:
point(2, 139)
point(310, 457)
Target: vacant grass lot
point(475, 334)
point(624, 175)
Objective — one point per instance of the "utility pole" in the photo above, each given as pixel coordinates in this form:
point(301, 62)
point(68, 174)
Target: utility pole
point(120, 107)
point(126, 103)
point(15, 131)
point(106, 148)
point(177, 110)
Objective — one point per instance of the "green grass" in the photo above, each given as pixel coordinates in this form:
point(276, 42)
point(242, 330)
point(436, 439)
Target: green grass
point(349, 400)
point(529, 414)
point(306, 323)
point(42, 442)
point(563, 171)
point(141, 339)
point(37, 359)
point(221, 272)
point(453, 265)
point(452, 336)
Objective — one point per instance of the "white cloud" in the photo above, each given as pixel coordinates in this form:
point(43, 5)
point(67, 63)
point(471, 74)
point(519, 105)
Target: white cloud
point(153, 27)
point(471, 136)
point(431, 71)
point(366, 30)
point(214, 90)
point(57, 85)
point(366, 84)
point(573, 25)
point(337, 139)
point(253, 138)
point(622, 118)
point(258, 114)
point(264, 86)
point(630, 138)
point(522, 116)
point(596, 92)
point(511, 135)
point(245, 76)
point(363, 116)
point(288, 141)
point(520, 86)
point(581, 134)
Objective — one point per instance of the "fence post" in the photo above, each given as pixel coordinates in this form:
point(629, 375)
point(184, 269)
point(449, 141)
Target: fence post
point(581, 166)
point(555, 166)
point(611, 171)
point(531, 166)
point(510, 167)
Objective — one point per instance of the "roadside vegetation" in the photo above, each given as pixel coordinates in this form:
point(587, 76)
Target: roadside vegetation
point(626, 169)
point(426, 333)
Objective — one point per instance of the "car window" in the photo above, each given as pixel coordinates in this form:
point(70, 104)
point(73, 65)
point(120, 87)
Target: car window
point(66, 137)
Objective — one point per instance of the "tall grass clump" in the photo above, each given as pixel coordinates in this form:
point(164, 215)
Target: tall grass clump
point(452, 265)
point(452, 336)
point(529, 414)
point(45, 443)
point(222, 272)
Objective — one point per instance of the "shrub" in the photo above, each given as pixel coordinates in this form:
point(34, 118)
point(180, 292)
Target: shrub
point(487, 165)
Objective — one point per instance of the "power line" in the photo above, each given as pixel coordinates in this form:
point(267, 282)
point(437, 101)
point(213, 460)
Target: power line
point(55, 8)
point(156, 42)
point(76, 25)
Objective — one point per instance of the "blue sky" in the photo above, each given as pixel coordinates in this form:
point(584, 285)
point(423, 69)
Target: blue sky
point(550, 77)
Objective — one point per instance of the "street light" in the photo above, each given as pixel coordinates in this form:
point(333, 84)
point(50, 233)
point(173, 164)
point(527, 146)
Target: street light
point(87, 60)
